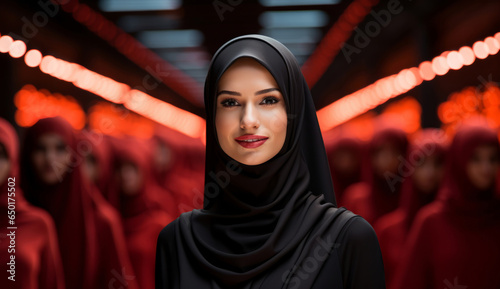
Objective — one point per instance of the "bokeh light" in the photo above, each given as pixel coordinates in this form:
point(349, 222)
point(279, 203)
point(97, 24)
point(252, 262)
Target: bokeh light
point(33, 58)
point(17, 49)
point(5, 43)
point(480, 50)
point(468, 55)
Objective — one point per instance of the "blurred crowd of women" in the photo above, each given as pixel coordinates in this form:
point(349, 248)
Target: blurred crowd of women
point(89, 207)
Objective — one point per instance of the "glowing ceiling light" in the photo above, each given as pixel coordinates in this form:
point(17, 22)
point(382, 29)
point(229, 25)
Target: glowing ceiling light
point(440, 65)
point(105, 87)
point(468, 55)
point(426, 71)
point(17, 49)
point(480, 49)
point(492, 44)
point(5, 43)
point(33, 58)
point(455, 60)
point(391, 86)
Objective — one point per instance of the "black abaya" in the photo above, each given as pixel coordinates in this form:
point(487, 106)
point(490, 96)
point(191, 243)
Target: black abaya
point(273, 225)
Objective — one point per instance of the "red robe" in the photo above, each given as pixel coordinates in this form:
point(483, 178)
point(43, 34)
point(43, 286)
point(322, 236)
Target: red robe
point(392, 228)
point(454, 241)
point(142, 213)
point(37, 259)
point(375, 196)
point(90, 236)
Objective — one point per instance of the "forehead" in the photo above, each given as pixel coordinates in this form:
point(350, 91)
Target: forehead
point(485, 149)
point(50, 138)
point(246, 71)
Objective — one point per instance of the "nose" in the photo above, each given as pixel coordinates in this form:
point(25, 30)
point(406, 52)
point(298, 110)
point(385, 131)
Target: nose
point(50, 155)
point(250, 118)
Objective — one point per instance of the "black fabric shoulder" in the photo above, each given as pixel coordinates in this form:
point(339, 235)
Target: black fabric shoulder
point(165, 257)
point(360, 255)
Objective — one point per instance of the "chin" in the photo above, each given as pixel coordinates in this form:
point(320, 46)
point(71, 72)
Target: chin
point(50, 180)
point(251, 161)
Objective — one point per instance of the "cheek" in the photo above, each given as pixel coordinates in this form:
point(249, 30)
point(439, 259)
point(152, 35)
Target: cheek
point(226, 124)
point(472, 171)
point(4, 168)
point(276, 122)
point(38, 160)
point(63, 158)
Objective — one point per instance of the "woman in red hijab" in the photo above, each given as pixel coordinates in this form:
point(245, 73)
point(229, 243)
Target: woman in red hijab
point(426, 157)
point(37, 262)
point(179, 168)
point(383, 175)
point(98, 159)
point(143, 217)
point(344, 157)
point(91, 239)
point(454, 241)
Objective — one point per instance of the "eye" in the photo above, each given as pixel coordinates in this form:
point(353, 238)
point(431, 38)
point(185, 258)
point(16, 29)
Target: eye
point(39, 148)
point(269, 100)
point(61, 148)
point(230, 102)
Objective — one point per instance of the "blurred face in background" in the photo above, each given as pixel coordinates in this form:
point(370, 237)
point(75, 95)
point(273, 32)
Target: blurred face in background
point(385, 159)
point(129, 178)
point(4, 164)
point(345, 162)
point(251, 115)
point(482, 167)
point(428, 176)
point(51, 158)
point(91, 168)
point(163, 157)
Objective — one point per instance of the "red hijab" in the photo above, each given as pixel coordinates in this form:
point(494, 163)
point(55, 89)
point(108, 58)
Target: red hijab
point(342, 142)
point(392, 229)
point(90, 238)
point(184, 177)
point(429, 142)
point(458, 193)
point(143, 215)
point(150, 195)
point(377, 195)
point(37, 258)
point(454, 240)
point(98, 146)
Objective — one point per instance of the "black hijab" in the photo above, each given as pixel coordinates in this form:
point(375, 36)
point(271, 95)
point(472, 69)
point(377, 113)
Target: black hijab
point(258, 222)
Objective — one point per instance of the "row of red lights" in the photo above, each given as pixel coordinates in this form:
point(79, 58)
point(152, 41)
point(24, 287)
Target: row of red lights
point(391, 86)
point(107, 88)
point(329, 117)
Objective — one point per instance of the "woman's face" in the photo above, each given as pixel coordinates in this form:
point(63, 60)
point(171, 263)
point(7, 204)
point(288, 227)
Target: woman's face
point(345, 162)
point(51, 158)
point(4, 164)
point(91, 167)
point(429, 174)
point(129, 178)
point(483, 166)
point(163, 159)
point(251, 117)
point(386, 159)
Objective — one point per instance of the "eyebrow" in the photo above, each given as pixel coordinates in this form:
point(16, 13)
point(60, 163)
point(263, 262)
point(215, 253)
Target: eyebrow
point(239, 94)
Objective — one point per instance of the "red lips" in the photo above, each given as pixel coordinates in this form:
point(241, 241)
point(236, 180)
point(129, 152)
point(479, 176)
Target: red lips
point(251, 140)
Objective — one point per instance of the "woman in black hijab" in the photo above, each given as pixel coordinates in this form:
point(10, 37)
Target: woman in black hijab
point(267, 221)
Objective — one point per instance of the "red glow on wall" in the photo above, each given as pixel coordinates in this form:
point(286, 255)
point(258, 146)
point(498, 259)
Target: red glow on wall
point(33, 104)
